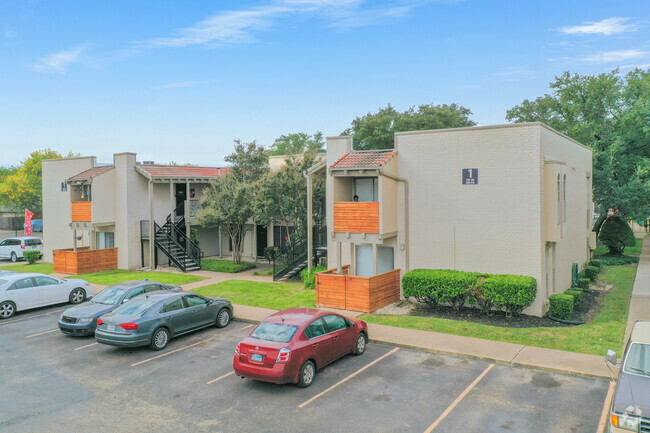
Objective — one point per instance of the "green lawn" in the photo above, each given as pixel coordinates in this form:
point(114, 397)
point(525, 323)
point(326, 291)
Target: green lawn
point(265, 273)
point(629, 251)
point(267, 295)
point(605, 332)
point(225, 266)
point(115, 276)
point(41, 268)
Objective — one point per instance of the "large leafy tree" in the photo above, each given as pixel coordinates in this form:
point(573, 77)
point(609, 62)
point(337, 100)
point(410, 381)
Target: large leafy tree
point(610, 113)
point(282, 197)
point(22, 187)
point(376, 130)
point(229, 202)
point(297, 143)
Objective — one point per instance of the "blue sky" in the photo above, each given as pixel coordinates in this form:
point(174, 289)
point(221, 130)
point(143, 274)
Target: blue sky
point(179, 81)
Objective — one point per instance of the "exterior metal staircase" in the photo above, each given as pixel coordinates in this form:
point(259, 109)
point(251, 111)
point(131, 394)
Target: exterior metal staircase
point(174, 243)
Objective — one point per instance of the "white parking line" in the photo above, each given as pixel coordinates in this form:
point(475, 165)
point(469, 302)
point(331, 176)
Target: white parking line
point(458, 400)
point(6, 322)
point(220, 377)
point(173, 351)
point(41, 333)
point(87, 345)
point(348, 378)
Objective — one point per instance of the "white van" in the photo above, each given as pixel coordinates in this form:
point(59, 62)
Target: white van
point(13, 248)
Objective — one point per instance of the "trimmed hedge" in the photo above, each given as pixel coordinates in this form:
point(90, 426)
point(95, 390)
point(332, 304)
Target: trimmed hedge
point(616, 234)
point(561, 306)
point(609, 260)
point(583, 283)
point(597, 263)
point(309, 278)
point(577, 297)
point(31, 256)
point(591, 272)
point(433, 286)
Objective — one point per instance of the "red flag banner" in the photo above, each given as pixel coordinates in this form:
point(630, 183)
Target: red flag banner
point(28, 222)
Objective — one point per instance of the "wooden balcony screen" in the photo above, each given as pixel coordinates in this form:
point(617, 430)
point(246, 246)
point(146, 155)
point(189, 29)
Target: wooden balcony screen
point(81, 211)
point(356, 217)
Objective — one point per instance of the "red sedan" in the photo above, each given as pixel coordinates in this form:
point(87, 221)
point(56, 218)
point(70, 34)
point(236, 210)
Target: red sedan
point(289, 346)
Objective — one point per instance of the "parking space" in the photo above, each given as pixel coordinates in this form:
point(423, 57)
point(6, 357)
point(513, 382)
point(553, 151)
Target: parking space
point(59, 383)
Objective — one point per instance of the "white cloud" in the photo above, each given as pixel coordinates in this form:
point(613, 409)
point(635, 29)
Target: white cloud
point(607, 27)
point(237, 26)
point(615, 56)
point(57, 62)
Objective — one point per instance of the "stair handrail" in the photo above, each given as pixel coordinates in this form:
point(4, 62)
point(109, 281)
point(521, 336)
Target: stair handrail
point(167, 252)
point(288, 256)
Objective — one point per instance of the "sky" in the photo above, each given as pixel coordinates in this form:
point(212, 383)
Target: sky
point(179, 81)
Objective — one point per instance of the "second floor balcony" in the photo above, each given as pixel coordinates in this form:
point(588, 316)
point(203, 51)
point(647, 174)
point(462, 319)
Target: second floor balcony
point(81, 211)
point(356, 217)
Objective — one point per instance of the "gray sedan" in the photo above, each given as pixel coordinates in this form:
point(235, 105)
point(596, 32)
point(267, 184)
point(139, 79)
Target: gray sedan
point(82, 319)
point(153, 319)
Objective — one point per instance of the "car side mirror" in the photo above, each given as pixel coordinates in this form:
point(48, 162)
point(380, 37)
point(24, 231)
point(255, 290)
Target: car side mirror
point(210, 301)
point(611, 357)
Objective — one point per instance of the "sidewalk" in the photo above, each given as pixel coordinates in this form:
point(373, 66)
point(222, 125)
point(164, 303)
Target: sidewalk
point(640, 301)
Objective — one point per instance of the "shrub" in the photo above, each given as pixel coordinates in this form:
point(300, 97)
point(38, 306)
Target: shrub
point(561, 306)
point(616, 234)
point(309, 278)
point(597, 263)
point(577, 297)
point(591, 272)
point(437, 285)
point(31, 256)
point(226, 266)
point(512, 292)
point(583, 283)
point(609, 260)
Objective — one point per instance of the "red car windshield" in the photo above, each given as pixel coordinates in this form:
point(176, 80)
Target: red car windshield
point(274, 332)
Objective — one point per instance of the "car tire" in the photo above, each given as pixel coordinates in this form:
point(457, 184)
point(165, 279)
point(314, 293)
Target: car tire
point(14, 257)
point(223, 318)
point(159, 339)
point(7, 309)
point(77, 296)
point(307, 374)
point(360, 344)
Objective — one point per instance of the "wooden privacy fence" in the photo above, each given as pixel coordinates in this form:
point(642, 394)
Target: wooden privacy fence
point(84, 260)
point(356, 216)
point(348, 292)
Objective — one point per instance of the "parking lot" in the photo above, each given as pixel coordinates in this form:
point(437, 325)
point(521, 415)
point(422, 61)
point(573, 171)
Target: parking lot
point(55, 383)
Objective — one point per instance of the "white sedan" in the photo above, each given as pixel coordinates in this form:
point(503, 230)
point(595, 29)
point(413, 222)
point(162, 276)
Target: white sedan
point(20, 292)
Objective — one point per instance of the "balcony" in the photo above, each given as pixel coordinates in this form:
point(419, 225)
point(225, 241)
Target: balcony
point(81, 211)
point(356, 217)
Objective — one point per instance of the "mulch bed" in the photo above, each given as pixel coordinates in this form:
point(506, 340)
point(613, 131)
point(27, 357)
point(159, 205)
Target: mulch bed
point(591, 304)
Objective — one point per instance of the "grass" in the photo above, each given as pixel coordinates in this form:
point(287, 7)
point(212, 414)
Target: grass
point(606, 331)
point(41, 268)
point(265, 273)
point(115, 276)
point(629, 251)
point(225, 266)
point(258, 294)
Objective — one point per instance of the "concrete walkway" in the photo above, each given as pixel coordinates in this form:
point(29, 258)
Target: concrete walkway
point(640, 301)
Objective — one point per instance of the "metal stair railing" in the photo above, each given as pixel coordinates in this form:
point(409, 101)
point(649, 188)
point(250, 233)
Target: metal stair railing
point(288, 257)
point(167, 251)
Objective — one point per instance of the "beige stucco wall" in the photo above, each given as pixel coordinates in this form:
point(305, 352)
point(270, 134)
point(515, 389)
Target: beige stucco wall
point(104, 206)
point(57, 233)
point(336, 148)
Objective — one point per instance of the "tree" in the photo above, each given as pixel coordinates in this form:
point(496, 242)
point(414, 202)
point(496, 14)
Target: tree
point(282, 197)
point(229, 202)
point(609, 113)
point(297, 144)
point(616, 234)
point(377, 130)
point(22, 187)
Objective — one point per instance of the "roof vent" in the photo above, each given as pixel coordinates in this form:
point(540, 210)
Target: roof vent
point(147, 163)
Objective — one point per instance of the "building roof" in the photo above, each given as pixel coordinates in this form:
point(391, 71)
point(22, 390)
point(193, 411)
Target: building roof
point(366, 159)
point(157, 171)
point(90, 173)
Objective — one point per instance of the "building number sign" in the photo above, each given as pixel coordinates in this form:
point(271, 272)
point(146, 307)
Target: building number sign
point(470, 176)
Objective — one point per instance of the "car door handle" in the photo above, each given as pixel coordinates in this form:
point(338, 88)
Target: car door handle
point(315, 345)
point(335, 338)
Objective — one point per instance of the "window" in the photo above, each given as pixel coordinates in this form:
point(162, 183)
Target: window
point(315, 329)
point(274, 332)
point(194, 300)
point(4, 243)
point(564, 196)
point(108, 296)
point(335, 322)
point(64, 187)
point(25, 283)
point(367, 188)
point(559, 201)
point(136, 307)
point(136, 292)
point(176, 304)
point(385, 259)
point(154, 287)
point(105, 240)
point(45, 281)
point(638, 359)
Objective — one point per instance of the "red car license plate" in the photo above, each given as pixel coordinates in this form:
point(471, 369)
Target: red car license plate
point(256, 357)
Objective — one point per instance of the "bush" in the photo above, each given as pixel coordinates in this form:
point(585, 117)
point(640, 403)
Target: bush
point(616, 234)
point(591, 272)
point(31, 256)
point(512, 292)
point(577, 297)
point(597, 263)
point(309, 278)
point(437, 285)
point(583, 283)
point(226, 266)
point(561, 306)
point(609, 260)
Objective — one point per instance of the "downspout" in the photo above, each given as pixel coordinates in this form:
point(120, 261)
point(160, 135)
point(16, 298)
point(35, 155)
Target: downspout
point(310, 223)
point(406, 215)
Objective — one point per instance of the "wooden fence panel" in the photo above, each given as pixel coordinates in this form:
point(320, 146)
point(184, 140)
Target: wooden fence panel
point(356, 217)
point(81, 211)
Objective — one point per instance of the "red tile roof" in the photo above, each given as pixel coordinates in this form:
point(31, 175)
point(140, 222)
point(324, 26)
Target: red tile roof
point(182, 171)
point(367, 159)
point(90, 173)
